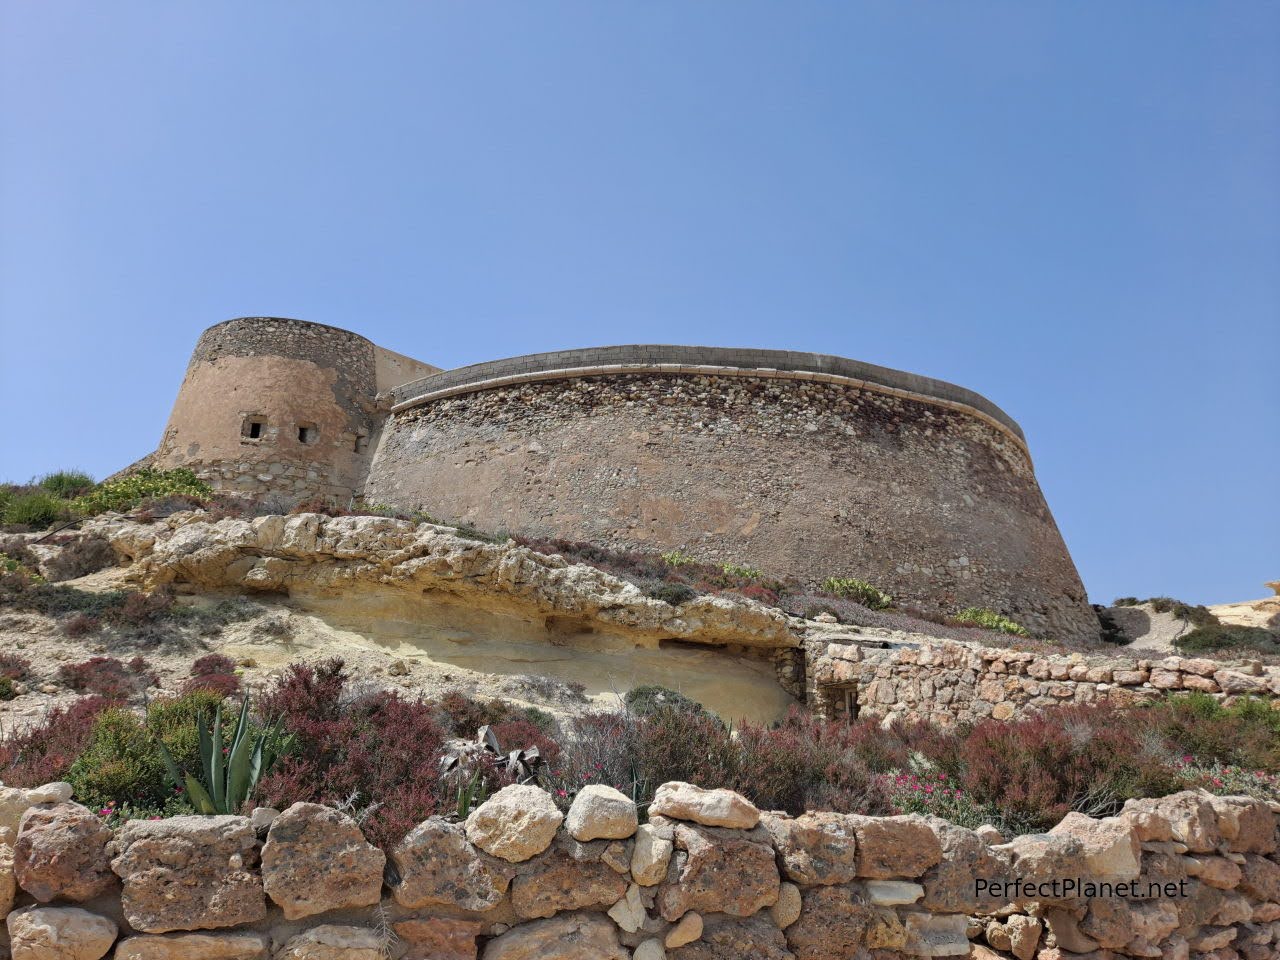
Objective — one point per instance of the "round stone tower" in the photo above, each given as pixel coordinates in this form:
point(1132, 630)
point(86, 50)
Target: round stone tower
point(270, 405)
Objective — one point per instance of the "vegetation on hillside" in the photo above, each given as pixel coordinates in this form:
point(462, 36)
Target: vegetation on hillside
point(377, 752)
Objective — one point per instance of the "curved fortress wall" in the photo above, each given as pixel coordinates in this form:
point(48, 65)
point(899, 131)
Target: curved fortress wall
point(270, 405)
point(796, 463)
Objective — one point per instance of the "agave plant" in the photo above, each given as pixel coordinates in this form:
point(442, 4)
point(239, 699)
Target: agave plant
point(231, 774)
point(521, 765)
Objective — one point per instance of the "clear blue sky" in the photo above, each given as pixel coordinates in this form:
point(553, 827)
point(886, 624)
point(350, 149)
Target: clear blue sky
point(1073, 208)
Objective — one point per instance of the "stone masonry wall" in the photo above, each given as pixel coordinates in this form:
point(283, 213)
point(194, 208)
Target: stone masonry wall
point(937, 506)
point(707, 877)
point(944, 682)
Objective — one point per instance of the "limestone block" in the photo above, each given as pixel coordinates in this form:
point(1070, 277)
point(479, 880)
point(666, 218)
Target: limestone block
point(59, 933)
point(334, 942)
point(193, 946)
point(189, 873)
point(570, 936)
point(718, 871)
point(439, 938)
point(600, 811)
point(439, 867)
point(712, 808)
point(316, 859)
point(901, 846)
point(651, 854)
point(516, 823)
point(816, 848)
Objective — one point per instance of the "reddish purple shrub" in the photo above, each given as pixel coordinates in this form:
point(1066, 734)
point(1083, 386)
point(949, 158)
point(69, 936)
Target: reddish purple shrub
point(215, 673)
point(108, 677)
point(381, 749)
point(81, 625)
point(44, 752)
point(14, 666)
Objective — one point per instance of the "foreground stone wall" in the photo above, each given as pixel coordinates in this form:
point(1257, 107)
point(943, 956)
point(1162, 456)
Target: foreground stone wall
point(944, 682)
point(934, 501)
point(708, 877)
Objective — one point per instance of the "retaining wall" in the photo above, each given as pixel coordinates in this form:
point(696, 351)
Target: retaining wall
point(945, 682)
point(708, 877)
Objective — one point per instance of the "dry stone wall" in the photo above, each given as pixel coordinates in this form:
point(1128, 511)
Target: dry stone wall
point(945, 682)
point(707, 877)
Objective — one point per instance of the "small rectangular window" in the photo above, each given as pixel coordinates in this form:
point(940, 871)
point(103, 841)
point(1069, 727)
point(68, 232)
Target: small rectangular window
point(362, 443)
point(253, 428)
point(308, 433)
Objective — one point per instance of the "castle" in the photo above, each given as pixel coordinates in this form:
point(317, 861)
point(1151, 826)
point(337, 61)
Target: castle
point(796, 463)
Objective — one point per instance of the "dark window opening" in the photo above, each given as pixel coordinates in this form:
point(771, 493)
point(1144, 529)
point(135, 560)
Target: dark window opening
point(308, 433)
point(253, 428)
point(362, 443)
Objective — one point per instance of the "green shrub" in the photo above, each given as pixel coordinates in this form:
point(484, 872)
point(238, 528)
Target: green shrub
point(128, 491)
point(37, 510)
point(990, 620)
point(672, 593)
point(859, 591)
point(7, 692)
point(1197, 614)
point(649, 698)
point(119, 765)
point(1126, 602)
point(1214, 637)
point(677, 558)
point(740, 572)
point(67, 483)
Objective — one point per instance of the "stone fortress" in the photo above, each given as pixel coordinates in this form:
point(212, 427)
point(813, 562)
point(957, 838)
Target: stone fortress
point(798, 464)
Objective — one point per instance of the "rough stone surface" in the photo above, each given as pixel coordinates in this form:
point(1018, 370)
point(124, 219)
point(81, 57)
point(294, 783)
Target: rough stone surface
point(316, 859)
point(787, 910)
point(651, 854)
point(817, 848)
point(711, 808)
point(718, 871)
point(189, 873)
point(193, 946)
point(439, 938)
point(439, 867)
point(14, 802)
point(570, 936)
point(601, 812)
point(687, 930)
point(888, 847)
point(334, 942)
point(516, 823)
point(1110, 847)
point(59, 933)
point(833, 922)
point(558, 881)
point(8, 884)
point(61, 853)
point(727, 938)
